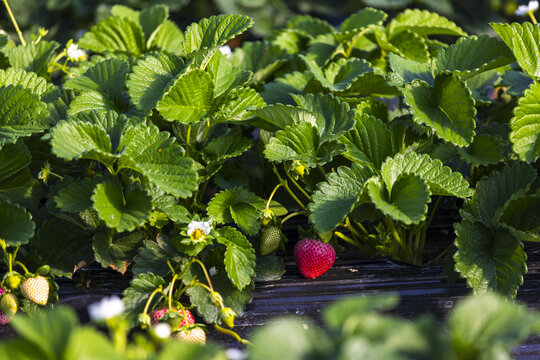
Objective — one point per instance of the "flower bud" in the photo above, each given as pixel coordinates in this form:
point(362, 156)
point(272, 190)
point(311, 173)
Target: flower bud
point(227, 316)
point(144, 320)
point(12, 280)
point(216, 298)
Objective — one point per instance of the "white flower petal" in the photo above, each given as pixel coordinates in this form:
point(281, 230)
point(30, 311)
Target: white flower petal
point(106, 308)
point(226, 50)
point(204, 226)
point(162, 330)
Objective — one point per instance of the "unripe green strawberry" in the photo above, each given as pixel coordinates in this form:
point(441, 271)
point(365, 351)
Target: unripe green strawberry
point(270, 240)
point(192, 336)
point(12, 280)
point(9, 304)
point(36, 289)
point(228, 315)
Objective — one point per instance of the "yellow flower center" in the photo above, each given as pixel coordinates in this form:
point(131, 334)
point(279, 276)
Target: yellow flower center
point(197, 235)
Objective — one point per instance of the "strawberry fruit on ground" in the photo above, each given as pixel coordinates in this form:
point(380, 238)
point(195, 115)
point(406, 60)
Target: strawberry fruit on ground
point(9, 304)
point(194, 335)
point(36, 289)
point(156, 315)
point(313, 257)
point(270, 240)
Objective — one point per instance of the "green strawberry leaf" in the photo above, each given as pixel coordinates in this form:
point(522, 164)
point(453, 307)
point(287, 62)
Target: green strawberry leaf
point(525, 125)
point(424, 23)
point(101, 87)
point(63, 245)
point(484, 150)
point(405, 71)
point(238, 205)
point(154, 255)
point(309, 26)
point(490, 259)
point(123, 212)
point(301, 142)
point(363, 18)
point(496, 189)
point(33, 57)
point(30, 81)
point(269, 268)
point(412, 45)
point(155, 155)
point(150, 77)
point(13, 159)
point(22, 113)
point(472, 55)
point(338, 76)
point(441, 179)
point(48, 330)
point(116, 249)
point(136, 296)
point(16, 225)
point(280, 116)
point(279, 90)
point(262, 58)
point(369, 142)
point(189, 98)
point(523, 214)
point(517, 82)
point(237, 103)
point(334, 117)
point(115, 34)
point(89, 343)
point(406, 200)
point(150, 18)
point(447, 107)
point(336, 197)
point(479, 324)
point(77, 196)
point(214, 31)
point(523, 40)
point(226, 147)
point(167, 38)
point(239, 257)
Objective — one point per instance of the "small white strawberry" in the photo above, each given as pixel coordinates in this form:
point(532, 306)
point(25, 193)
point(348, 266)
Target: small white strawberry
point(36, 289)
point(194, 335)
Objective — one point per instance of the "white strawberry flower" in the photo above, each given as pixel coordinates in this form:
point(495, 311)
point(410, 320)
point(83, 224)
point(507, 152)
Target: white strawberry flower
point(74, 53)
point(106, 309)
point(526, 9)
point(199, 229)
point(162, 330)
point(226, 50)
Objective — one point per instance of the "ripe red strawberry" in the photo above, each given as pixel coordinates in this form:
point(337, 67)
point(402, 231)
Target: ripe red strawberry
point(36, 289)
point(270, 240)
point(9, 304)
point(192, 336)
point(156, 315)
point(4, 319)
point(313, 257)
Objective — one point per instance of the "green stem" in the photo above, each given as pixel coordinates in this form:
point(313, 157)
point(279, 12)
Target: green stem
point(14, 21)
point(188, 139)
point(147, 305)
point(291, 215)
point(347, 239)
point(171, 267)
point(298, 186)
point(286, 186)
point(22, 266)
point(395, 234)
point(205, 273)
point(272, 195)
point(202, 191)
point(231, 333)
point(533, 19)
point(10, 262)
point(322, 170)
point(171, 290)
point(438, 257)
